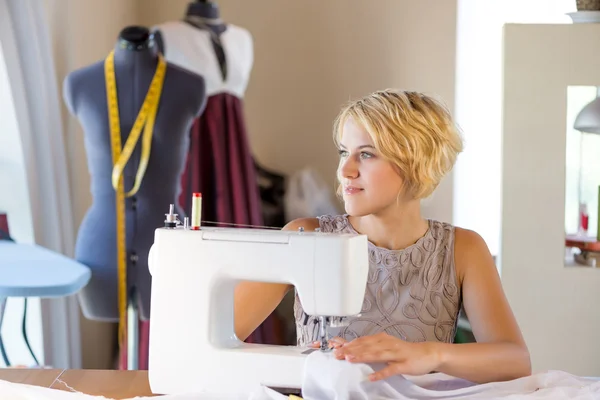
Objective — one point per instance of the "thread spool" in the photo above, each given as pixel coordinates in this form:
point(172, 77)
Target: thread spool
point(196, 210)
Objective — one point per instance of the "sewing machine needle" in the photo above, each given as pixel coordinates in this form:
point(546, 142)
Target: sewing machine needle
point(323, 333)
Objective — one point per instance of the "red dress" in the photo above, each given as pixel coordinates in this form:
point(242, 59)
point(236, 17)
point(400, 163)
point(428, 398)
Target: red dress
point(220, 163)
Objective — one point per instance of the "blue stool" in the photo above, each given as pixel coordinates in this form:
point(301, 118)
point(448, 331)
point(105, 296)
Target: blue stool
point(32, 271)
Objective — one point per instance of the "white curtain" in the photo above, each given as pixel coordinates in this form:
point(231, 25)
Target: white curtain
point(24, 35)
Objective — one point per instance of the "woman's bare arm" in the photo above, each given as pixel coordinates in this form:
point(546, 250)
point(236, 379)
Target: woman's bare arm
point(500, 352)
point(255, 301)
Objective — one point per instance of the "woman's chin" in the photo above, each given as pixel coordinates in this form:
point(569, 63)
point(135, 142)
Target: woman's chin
point(357, 210)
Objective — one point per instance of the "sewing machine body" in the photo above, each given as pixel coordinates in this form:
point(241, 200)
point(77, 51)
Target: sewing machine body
point(193, 347)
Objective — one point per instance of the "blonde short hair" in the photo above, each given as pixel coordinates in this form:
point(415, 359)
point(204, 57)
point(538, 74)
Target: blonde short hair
point(410, 129)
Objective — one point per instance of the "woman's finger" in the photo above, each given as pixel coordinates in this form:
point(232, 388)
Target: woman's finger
point(366, 341)
point(373, 356)
point(362, 346)
point(390, 370)
point(344, 352)
point(336, 342)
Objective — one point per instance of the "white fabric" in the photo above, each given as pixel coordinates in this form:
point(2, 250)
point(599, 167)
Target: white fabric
point(19, 391)
point(307, 195)
point(329, 379)
point(191, 48)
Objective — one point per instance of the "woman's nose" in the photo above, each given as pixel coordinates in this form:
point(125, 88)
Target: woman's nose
point(348, 169)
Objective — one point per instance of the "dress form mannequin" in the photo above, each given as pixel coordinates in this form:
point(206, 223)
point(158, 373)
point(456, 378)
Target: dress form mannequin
point(194, 47)
point(200, 12)
point(220, 163)
point(182, 100)
point(204, 14)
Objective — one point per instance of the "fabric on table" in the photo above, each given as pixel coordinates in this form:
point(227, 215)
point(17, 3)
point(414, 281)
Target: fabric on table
point(329, 379)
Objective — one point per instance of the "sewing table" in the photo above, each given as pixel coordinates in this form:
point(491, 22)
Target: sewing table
point(112, 384)
point(29, 270)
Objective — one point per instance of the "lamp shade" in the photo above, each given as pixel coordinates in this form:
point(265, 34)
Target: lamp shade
point(588, 119)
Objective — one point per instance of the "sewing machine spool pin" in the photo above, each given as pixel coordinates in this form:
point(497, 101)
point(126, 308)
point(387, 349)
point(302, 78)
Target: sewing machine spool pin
point(171, 220)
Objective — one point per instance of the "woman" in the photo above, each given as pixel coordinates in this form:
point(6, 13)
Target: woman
point(395, 147)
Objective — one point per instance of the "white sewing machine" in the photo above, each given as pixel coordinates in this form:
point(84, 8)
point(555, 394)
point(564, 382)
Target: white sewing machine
point(193, 346)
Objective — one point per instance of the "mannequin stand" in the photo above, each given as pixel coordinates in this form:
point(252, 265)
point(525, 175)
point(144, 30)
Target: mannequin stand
point(133, 332)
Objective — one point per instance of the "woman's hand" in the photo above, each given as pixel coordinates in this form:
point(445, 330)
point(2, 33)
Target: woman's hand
point(402, 357)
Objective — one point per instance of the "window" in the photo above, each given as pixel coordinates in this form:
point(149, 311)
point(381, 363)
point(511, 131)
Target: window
point(581, 156)
point(14, 201)
point(477, 176)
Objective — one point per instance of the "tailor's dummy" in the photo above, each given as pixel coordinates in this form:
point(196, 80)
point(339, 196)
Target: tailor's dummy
point(220, 163)
point(204, 15)
point(181, 101)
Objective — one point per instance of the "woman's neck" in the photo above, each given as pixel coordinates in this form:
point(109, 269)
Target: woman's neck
point(395, 228)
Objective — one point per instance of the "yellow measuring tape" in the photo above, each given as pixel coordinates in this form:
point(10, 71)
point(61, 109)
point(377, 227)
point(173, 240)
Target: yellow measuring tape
point(145, 120)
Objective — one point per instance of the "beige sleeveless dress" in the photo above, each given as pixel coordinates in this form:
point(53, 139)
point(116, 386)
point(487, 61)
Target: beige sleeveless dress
point(412, 293)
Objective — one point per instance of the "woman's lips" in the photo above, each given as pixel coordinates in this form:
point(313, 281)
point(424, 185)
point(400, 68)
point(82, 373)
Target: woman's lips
point(350, 190)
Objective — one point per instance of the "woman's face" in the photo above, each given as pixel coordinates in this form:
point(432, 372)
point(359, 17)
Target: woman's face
point(370, 183)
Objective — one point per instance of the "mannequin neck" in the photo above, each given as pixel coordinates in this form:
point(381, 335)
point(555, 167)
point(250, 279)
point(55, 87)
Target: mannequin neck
point(203, 9)
point(205, 15)
point(135, 44)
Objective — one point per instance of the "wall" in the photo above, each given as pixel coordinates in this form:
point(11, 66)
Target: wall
point(312, 56)
point(554, 302)
point(83, 32)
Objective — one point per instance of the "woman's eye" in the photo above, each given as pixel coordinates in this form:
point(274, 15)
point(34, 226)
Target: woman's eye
point(364, 154)
point(342, 153)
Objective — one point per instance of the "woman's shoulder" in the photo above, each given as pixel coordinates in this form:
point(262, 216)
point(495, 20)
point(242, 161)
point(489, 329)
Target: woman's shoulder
point(470, 250)
point(467, 240)
point(463, 238)
point(466, 235)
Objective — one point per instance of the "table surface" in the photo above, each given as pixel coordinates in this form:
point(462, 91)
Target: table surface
point(113, 384)
point(28, 270)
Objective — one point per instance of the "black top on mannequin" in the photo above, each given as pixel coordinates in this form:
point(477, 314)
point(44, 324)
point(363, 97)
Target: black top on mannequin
point(182, 100)
point(205, 15)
